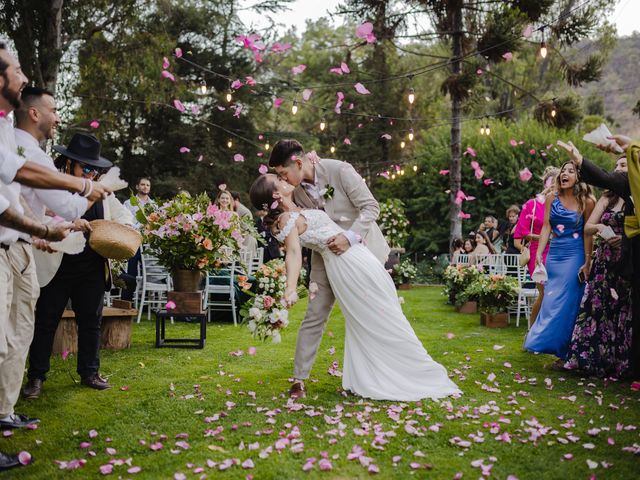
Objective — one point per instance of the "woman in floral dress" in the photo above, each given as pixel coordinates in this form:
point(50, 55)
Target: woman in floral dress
point(601, 341)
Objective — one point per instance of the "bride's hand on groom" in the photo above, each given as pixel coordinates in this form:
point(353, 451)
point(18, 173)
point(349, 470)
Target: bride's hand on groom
point(338, 244)
point(290, 297)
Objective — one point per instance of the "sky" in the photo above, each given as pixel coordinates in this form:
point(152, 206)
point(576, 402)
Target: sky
point(625, 15)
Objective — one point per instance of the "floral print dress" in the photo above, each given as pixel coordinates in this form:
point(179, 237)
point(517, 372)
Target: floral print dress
point(601, 341)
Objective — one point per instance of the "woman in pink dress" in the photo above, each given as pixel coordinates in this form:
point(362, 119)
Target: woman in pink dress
point(533, 209)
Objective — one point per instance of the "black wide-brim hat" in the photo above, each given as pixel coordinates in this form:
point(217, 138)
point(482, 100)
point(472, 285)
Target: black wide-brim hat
point(84, 148)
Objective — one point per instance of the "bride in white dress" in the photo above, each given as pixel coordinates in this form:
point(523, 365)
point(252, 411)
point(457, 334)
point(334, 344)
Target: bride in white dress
point(383, 358)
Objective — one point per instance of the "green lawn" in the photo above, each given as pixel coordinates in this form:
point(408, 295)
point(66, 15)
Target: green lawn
point(236, 408)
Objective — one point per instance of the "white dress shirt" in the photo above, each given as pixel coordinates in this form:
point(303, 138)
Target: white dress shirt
point(63, 203)
point(10, 163)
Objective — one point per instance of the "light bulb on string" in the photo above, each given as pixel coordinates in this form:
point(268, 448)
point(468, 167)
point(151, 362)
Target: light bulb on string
point(543, 49)
point(402, 144)
point(267, 146)
point(229, 143)
point(415, 168)
point(229, 97)
point(402, 172)
point(487, 129)
point(411, 96)
point(393, 176)
point(294, 107)
point(333, 149)
point(554, 112)
point(481, 129)
point(203, 87)
point(323, 125)
point(411, 135)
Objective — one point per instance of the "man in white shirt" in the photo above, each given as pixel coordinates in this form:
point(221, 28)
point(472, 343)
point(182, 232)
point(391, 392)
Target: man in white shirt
point(14, 255)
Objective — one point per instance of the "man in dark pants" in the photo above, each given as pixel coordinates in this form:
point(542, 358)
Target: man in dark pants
point(622, 184)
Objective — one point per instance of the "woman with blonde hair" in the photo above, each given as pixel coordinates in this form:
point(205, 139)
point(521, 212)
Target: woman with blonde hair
point(224, 201)
point(528, 228)
point(568, 263)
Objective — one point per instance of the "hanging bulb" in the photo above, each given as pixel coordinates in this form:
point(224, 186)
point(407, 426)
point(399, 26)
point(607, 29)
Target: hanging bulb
point(294, 108)
point(487, 129)
point(415, 168)
point(203, 87)
point(553, 112)
point(411, 136)
point(393, 177)
point(481, 129)
point(412, 96)
point(402, 172)
point(229, 97)
point(543, 49)
point(323, 125)
point(333, 149)
point(229, 144)
point(402, 144)
point(267, 146)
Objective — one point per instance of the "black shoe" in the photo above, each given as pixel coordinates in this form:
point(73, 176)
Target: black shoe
point(8, 461)
point(18, 421)
point(32, 389)
point(95, 381)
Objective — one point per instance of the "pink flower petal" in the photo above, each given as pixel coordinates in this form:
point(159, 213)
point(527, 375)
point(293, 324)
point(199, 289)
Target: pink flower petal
point(65, 354)
point(178, 52)
point(336, 70)
point(185, 149)
point(463, 215)
point(106, 469)
point(444, 172)
point(24, 457)
point(134, 470)
point(363, 30)
point(528, 31)
point(386, 136)
point(513, 142)
point(93, 433)
point(450, 335)
point(250, 81)
point(277, 103)
point(263, 169)
point(560, 228)
point(169, 75)
point(248, 463)
point(479, 71)
point(306, 94)
point(361, 89)
point(238, 157)
point(165, 63)
point(251, 350)
point(179, 106)
point(487, 182)
point(195, 109)
point(94, 124)
point(170, 305)
point(525, 174)
point(298, 69)
point(345, 68)
point(236, 84)
point(508, 56)
point(470, 151)
point(347, 141)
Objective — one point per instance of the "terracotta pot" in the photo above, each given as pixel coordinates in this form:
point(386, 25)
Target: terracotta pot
point(495, 320)
point(404, 286)
point(468, 307)
point(186, 280)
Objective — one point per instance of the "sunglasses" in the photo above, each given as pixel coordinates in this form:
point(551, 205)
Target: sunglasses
point(86, 169)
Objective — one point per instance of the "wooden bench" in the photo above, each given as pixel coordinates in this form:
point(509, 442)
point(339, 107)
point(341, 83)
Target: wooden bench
point(116, 327)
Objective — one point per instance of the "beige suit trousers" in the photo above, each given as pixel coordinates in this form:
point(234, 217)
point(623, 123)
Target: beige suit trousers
point(315, 319)
point(17, 330)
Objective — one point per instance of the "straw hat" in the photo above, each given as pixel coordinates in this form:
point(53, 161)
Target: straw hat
point(114, 240)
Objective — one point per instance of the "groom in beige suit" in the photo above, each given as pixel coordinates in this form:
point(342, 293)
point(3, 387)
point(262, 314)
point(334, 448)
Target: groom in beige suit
point(335, 187)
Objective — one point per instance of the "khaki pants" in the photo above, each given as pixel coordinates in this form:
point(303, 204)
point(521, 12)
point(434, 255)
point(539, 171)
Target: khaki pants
point(315, 320)
point(17, 330)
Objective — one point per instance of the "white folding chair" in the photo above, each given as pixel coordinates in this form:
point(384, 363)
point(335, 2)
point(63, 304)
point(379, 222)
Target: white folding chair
point(156, 282)
point(526, 296)
point(220, 292)
point(460, 259)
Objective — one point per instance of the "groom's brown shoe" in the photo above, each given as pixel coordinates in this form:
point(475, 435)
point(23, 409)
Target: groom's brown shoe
point(297, 390)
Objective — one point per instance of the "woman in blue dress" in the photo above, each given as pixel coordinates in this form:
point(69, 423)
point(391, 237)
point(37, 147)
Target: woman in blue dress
point(566, 210)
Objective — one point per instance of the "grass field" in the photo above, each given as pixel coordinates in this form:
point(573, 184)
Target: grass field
point(178, 413)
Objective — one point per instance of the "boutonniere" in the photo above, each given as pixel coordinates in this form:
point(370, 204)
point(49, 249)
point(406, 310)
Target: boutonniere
point(327, 192)
point(20, 151)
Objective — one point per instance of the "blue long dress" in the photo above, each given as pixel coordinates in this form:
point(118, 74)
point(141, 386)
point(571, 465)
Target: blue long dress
point(551, 333)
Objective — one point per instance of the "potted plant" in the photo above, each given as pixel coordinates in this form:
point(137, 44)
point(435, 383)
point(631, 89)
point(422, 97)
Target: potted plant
point(457, 278)
point(403, 273)
point(494, 293)
point(393, 223)
point(190, 234)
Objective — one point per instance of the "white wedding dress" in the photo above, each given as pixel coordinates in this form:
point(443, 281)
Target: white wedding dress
point(383, 358)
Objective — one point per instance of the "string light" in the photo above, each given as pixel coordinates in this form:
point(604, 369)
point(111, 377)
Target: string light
point(402, 144)
point(267, 146)
point(487, 130)
point(481, 129)
point(323, 125)
point(411, 136)
point(333, 149)
point(203, 87)
point(229, 144)
point(412, 96)
point(543, 46)
point(294, 107)
point(553, 109)
point(402, 172)
point(393, 176)
point(415, 168)
point(229, 96)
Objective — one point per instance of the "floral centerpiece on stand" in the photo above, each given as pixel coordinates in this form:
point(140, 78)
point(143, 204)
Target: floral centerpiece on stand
point(191, 234)
point(494, 294)
point(265, 314)
point(456, 280)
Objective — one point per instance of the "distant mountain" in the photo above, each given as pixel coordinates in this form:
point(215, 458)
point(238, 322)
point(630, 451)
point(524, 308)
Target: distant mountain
point(620, 85)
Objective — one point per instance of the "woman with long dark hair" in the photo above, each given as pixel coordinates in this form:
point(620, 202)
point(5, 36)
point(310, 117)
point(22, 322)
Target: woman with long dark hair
point(567, 265)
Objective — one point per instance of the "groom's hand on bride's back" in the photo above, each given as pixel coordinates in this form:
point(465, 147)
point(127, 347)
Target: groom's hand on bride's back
point(338, 244)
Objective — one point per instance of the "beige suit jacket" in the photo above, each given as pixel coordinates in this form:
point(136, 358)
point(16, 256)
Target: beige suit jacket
point(352, 205)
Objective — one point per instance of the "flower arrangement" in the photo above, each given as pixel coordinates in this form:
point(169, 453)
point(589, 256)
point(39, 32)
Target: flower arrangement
point(494, 293)
point(393, 222)
point(404, 272)
point(456, 280)
point(190, 232)
point(265, 313)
